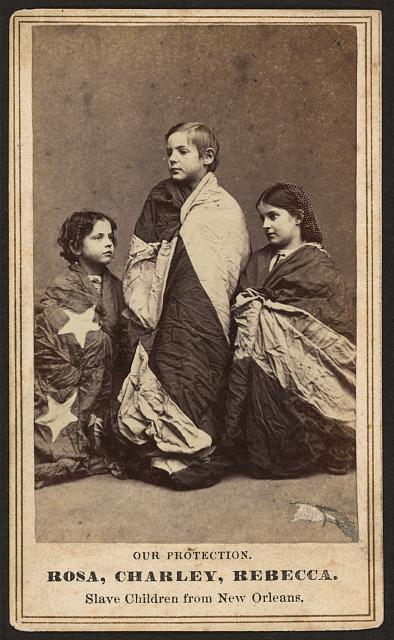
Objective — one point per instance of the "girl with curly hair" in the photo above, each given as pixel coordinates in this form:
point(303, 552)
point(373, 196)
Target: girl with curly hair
point(80, 340)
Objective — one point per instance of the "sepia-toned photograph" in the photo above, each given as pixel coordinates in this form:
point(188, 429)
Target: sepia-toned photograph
point(195, 211)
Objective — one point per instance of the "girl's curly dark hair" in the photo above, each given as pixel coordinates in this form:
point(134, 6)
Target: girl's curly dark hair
point(76, 228)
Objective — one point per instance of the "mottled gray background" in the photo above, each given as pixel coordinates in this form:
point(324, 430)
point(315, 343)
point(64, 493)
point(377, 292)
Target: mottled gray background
point(282, 100)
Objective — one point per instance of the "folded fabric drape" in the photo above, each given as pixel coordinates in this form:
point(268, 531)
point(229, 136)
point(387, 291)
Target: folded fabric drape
point(185, 259)
point(291, 399)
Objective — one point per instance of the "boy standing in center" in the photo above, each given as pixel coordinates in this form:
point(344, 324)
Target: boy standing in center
point(189, 247)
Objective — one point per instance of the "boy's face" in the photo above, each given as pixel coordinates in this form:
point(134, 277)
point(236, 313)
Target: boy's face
point(184, 161)
point(98, 247)
point(281, 228)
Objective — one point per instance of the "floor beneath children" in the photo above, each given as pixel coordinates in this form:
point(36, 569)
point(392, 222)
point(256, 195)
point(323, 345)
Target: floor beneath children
point(239, 509)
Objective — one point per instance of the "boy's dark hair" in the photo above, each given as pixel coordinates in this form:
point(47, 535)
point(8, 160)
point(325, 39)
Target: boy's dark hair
point(76, 228)
point(293, 198)
point(201, 136)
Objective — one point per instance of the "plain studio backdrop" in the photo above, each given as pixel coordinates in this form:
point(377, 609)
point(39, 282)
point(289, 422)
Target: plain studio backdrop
point(282, 100)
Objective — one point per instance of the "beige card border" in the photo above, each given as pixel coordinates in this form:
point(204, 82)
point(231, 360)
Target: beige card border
point(368, 24)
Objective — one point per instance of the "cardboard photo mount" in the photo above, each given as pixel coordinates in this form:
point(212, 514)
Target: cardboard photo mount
point(352, 598)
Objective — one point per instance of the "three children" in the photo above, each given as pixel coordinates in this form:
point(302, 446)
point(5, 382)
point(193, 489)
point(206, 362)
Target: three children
point(288, 404)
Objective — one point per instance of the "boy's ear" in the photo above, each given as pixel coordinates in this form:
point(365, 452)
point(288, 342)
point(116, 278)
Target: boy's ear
point(74, 250)
point(209, 156)
point(299, 216)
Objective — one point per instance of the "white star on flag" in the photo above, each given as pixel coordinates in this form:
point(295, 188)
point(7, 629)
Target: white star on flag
point(58, 414)
point(79, 324)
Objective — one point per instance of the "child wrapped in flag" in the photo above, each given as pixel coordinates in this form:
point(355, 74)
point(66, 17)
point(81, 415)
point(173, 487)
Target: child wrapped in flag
point(80, 339)
point(291, 402)
point(189, 247)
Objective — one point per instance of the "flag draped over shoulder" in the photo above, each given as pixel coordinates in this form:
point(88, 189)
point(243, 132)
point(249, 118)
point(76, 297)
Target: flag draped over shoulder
point(186, 255)
point(291, 398)
point(78, 337)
